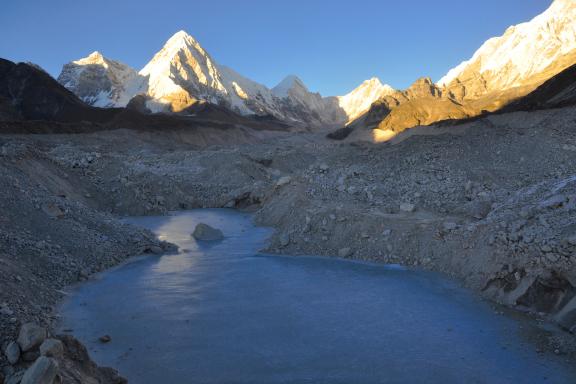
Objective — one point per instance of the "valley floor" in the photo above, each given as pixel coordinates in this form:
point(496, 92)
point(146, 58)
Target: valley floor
point(490, 202)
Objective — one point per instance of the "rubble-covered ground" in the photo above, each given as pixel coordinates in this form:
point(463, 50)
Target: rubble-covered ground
point(491, 203)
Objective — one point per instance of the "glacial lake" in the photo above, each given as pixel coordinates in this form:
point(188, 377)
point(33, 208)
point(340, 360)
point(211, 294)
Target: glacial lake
point(223, 313)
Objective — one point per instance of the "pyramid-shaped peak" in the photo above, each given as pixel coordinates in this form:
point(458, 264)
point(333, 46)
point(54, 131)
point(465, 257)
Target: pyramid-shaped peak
point(289, 82)
point(373, 81)
point(93, 58)
point(181, 38)
point(95, 55)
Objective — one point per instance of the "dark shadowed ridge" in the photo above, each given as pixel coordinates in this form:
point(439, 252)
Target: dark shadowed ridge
point(558, 91)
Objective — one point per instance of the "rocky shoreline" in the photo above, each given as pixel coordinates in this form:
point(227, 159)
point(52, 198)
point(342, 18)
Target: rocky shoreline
point(493, 207)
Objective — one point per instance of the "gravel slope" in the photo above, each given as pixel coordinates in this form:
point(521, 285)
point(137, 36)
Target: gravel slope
point(490, 202)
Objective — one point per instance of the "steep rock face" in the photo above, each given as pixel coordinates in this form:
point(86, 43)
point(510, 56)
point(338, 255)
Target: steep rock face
point(423, 103)
point(101, 82)
point(527, 53)
point(299, 104)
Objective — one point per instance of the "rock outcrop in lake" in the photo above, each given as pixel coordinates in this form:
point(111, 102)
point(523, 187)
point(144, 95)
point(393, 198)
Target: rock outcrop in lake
point(204, 232)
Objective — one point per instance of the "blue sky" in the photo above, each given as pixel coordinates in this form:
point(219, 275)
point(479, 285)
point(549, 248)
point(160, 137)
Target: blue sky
point(332, 45)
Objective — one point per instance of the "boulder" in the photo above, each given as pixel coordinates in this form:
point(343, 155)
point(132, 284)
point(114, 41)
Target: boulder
point(155, 250)
point(567, 316)
point(407, 207)
point(553, 202)
point(105, 339)
point(52, 348)
point(345, 252)
point(12, 352)
point(15, 378)
point(5, 310)
point(480, 209)
point(204, 232)
point(283, 181)
point(43, 371)
point(284, 240)
point(31, 336)
point(53, 210)
point(30, 355)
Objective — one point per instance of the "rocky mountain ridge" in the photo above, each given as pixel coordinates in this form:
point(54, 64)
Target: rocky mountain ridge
point(520, 55)
point(503, 70)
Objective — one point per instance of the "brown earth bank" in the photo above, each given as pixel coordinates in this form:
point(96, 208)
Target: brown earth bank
point(491, 202)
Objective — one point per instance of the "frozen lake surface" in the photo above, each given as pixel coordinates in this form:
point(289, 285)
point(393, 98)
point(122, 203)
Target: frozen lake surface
point(222, 313)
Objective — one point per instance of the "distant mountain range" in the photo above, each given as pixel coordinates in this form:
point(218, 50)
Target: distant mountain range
point(183, 73)
point(182, 79)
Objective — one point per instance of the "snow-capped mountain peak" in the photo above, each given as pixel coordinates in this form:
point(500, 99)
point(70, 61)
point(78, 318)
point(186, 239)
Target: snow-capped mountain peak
point(93, 58)
point(181, 40)
point(289, 82)
point(100, 81)
point(522, 52)
point(182, 72)
point(361, 98)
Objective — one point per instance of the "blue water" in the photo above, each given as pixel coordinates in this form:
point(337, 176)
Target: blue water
point(222, 313)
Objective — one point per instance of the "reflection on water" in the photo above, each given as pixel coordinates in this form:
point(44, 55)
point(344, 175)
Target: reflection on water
point(221, 313)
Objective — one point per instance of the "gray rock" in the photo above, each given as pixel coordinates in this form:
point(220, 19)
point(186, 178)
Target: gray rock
point(204, 232)
point(480, 209)
point(156, 249)
point(545, 248)
point(345, 252)
point(31, 336)
point(555, 201)
point(283, 181)
point(105, 339)
point(449, 226)
point(8, 371)
point(52, 348)
point(15, 378)
point(6, 311)
point(43, 371)
point(284, 240)
point(407, 207)
point(527, 213)
point(12, 352)
point(53, 210)
point(31, 355)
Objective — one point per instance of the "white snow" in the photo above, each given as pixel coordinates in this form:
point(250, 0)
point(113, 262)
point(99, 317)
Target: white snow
point(360, 99)
point(114, 83)
point(182, 70)
point(283, 88)
point(525, 49)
